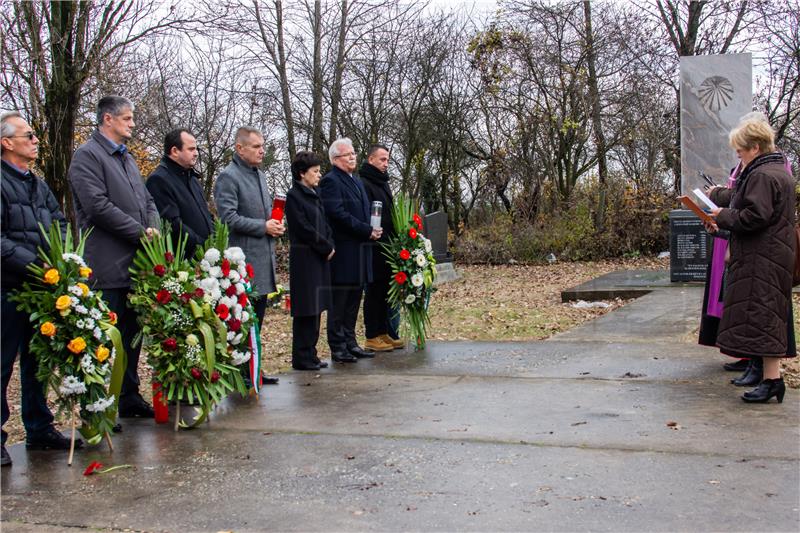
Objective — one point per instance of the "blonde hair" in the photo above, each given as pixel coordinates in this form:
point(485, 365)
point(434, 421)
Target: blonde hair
point(753, 132)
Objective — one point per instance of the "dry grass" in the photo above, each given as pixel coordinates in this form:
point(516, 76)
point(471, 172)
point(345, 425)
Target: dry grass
point(514, 302)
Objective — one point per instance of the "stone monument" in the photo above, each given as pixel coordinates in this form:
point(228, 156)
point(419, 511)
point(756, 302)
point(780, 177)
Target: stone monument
point(716, 91)
point(435, 228)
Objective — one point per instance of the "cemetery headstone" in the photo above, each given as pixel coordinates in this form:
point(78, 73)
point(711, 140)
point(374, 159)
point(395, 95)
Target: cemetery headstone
point(435, 225)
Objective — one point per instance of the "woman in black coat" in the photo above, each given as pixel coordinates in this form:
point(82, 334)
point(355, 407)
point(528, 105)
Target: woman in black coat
point(310, 251)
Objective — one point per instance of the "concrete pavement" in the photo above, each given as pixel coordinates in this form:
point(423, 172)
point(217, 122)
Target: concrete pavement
point(566, 434)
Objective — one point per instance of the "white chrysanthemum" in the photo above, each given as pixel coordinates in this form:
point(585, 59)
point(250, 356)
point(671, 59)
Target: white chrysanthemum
point(421, 261)
point(204, 265)
point(228, 301)
point(224, 283)
point(87, 363)
point(89, 323)
point(231, 335)
point(100, 405)
point(242, 270)
point(234, 276)
point(237, 338)
point(74, 258)
point(97, 333)
point(74, 301)
point(417, 279)
point(239, 358)
point(234, 254)
point(237, 311)
point(80, 324)
point(77, 291)
point(240, 288)
point(82, 309)
point(428, 245)
point(71, 385)
point(245, 316)
point(96, 314)
point(215, 272)
point(183, 276)
point(211, 256)
point(410, 299)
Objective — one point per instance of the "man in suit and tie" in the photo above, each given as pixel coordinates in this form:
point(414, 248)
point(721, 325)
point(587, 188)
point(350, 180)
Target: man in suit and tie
point(347, 208)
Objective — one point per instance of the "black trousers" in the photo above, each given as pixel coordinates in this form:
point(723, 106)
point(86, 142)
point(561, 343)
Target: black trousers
point(305, 334)
point(16, 338)
point(342, 317)
point(376, 311)
point(117, 300)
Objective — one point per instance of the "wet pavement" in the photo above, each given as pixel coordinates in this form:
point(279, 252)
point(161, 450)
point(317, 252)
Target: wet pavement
point(623, 424)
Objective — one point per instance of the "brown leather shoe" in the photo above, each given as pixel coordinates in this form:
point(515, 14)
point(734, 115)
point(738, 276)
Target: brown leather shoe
point(396, 343)
point(377, 344)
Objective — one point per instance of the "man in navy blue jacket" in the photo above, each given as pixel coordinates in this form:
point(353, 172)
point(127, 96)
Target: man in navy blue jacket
point(347, 208)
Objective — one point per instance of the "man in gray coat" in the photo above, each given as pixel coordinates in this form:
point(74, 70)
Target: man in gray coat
point(110, 197)
point(244, 203)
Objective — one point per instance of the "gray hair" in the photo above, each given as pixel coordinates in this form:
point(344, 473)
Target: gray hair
point(334, 151)
point(7, 129)
point(244, 132)
point(112, 105)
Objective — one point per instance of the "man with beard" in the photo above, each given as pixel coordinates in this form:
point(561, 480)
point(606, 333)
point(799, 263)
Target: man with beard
point(110, 198)
point(377, 313)
point(177, 191)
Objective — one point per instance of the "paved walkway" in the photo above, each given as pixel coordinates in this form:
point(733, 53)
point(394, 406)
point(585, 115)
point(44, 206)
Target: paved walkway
point(566, 434)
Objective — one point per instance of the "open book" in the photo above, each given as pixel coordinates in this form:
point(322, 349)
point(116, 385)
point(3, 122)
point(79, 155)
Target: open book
point(690, 205)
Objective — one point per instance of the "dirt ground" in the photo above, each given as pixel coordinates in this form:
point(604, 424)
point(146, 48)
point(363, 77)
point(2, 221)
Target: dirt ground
point(510, 302)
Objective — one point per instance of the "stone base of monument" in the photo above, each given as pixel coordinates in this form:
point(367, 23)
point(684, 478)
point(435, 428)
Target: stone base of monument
point(445, 272)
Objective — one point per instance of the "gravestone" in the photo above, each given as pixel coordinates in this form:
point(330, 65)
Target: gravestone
point(435, 227)
point(716, 91)
point(689, 247)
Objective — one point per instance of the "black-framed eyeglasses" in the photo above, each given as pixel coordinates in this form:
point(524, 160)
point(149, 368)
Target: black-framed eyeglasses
point(30, 135)
point(349, 154)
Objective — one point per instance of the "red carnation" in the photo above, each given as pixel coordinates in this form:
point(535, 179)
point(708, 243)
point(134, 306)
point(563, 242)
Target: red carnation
point(417, 220)
point(214, 376)
point(250, 272)
point(404, 254)
point(199, 293)
point(234, 325)
point(163, 296)
point(230, 291)
point(243, 300)
point(159, 270)
point(169, 345)
point(168, 257)
point(412, 233)
point(400, 278)
point(196, 374)
point(185, 297)
point(93, 467)
point(226, 267)
point(223, 311)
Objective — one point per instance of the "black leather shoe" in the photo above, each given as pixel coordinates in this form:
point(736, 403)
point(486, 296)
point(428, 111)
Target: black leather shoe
point(737, 366)
point(358, 351)
point(753, 375)
point(766, 390)
point(50, 439)
point(135, 407)
point(5, 459)
point(117, 428)
point(322, 364)
point(312, 366)
point(343, 357)
point(269, 380)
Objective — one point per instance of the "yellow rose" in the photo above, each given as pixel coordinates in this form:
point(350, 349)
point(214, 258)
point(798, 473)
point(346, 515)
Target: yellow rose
point(85, 272)
point(76, 345)
point(63, 302)
point(52, 276)
point(48, 329)
point(83, 287)
point(102, 353)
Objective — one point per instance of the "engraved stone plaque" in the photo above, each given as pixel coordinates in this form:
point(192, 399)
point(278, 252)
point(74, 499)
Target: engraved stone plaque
point(689, 247)
point(716, 91)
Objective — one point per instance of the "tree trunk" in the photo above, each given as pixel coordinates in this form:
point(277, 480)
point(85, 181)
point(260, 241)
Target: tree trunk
point(597, 125)
point(317, 137)
point(338, 71)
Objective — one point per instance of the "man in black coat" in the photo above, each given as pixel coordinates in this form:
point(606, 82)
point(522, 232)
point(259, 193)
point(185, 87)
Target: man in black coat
point(110, 197)
point(378, 324)
point(347, 208)
point(27, 201)
point(177, 193)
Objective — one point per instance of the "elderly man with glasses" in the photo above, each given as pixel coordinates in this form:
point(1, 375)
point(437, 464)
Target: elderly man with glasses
point(348, 210)
point(27, 201)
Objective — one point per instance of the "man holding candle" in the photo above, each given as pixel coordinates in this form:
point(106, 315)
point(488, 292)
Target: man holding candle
point(347, 208)
point(375, 177)
point(245, 204)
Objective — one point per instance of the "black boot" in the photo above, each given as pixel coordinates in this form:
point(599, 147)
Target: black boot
point(740, 365)
point(766, 390)
point(753, 375)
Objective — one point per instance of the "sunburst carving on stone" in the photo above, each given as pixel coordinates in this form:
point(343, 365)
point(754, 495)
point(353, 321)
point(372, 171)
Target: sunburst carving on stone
point(716, 92)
